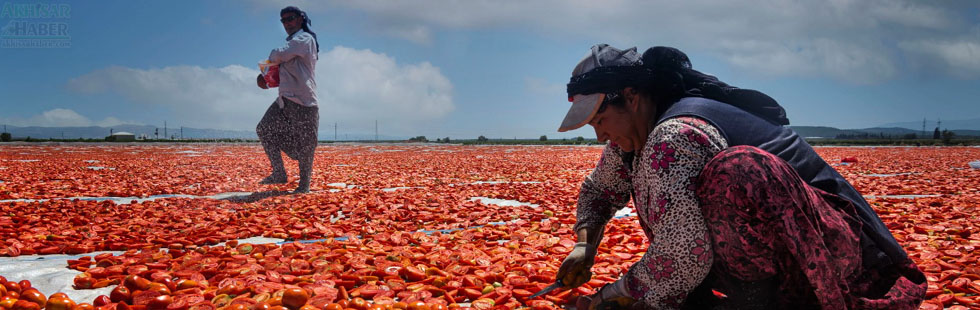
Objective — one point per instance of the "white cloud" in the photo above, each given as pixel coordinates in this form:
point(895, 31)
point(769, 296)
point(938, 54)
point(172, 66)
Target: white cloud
point(838, 59)
point(958, 58)
point(359, 86)
point(63, 118)
point(355, 86)
point(224, 98)
point(853, 40)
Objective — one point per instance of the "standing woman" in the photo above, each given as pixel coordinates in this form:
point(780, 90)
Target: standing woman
point(729, 198)
point(291, 122)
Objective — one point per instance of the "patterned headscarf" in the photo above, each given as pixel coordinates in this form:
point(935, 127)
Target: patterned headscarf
point(306, 22)
point(668, 72)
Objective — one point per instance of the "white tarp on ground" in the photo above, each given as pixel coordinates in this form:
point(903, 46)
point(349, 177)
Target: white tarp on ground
point(975, 164)
point(130, 200)
point(502, 202)
point(50, 273)
point(900, 196)
point(625, 212)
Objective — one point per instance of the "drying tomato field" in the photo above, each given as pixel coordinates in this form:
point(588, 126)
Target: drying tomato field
point(389, 226)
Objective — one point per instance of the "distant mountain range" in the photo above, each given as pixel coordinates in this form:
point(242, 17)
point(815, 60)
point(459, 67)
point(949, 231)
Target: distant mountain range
point(153, 132)
point(968, 124)
point(895, 132)
point(962, 128)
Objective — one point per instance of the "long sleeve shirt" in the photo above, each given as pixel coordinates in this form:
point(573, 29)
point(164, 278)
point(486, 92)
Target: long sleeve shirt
point(297, 64)
point(662, 184)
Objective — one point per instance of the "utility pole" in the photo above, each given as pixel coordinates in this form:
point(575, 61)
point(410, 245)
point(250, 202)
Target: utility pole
point(182, 132)
point(923, 127)
point(335, 131)
point(375, 130)
point(164, 129)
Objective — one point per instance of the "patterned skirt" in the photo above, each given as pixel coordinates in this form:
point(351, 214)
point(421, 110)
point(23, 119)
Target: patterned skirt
point(291, 129)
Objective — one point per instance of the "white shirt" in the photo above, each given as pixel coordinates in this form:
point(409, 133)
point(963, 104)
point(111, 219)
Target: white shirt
point(297, 61)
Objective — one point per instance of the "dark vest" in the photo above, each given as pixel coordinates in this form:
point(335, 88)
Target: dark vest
point(739, 127)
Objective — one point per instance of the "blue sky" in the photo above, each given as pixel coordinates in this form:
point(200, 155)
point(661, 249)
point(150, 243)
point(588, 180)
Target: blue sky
point(494, 68)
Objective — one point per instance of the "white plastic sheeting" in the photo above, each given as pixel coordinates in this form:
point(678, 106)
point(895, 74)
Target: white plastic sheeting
point(625, 212)
point(502, 202)
point(899, 196)
point(50, 273)
point(129, 200)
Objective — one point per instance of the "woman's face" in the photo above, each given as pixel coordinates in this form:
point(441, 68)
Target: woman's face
point(291, 22)
point(615, 123)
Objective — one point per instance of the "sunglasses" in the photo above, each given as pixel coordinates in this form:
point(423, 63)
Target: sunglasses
point(288, 19)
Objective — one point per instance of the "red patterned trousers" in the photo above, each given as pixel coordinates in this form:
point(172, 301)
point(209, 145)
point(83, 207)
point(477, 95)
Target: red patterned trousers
point(780, 243)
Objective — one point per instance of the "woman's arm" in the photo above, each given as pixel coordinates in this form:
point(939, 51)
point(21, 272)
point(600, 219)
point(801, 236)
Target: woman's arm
point(604, 191)
point(302, 44)
point(679, 256)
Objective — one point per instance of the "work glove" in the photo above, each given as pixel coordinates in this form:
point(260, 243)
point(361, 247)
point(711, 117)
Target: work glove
point(577, 267)
point(611, 296)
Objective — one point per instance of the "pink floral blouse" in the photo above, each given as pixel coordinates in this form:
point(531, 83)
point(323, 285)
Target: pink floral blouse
point(662, 185)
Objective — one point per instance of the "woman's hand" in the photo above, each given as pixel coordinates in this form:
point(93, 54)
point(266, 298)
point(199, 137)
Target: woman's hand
point(611, 296)
point(260, 80)
point(577, 267)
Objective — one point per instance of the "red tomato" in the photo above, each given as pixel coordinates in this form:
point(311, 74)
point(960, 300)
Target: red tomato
point(12, 287)
point(25, 305)
point(260, 306)
point(186, 284)
point(120, 294)
point(159, 288)
point(295, 298)
point(358, 303)
point(101, 300)
point(482, 304)
point(33, 295)
point(135, 282)
point(7, 302)
point(59, 302)
point(221, 300)
point(418, 305)
point(161, 302)
point(412, 274)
